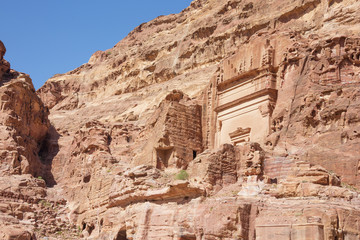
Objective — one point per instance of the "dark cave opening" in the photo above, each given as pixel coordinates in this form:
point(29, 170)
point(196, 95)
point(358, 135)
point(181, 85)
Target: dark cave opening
point(121, 235)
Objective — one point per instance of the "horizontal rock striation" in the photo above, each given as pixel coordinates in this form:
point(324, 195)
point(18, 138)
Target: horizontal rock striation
point(230, 120)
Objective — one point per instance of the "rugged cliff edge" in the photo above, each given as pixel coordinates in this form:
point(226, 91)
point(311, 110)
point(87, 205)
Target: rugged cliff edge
point(230, 120)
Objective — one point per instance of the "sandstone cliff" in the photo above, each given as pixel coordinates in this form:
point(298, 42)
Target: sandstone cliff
point(24, 125)
point(230, 120)
point(24, 122)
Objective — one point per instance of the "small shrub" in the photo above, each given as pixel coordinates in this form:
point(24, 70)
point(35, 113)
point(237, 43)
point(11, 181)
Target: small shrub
point(298, 214)
point(40, 177)
point(182, 175)
point(350, 187)
point(45, 203)
point(79, 230)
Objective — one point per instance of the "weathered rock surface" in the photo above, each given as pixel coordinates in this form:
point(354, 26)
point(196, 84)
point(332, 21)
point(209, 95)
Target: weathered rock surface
point(4, 65)
point(26, 208)
point(230, 120)
point(23, 122)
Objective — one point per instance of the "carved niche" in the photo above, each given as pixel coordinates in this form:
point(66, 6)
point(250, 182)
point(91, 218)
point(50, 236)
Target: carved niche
point(240, 135)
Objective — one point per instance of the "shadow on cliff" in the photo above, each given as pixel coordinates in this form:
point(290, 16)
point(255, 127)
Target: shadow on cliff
point(6, 78)
point(48, 151)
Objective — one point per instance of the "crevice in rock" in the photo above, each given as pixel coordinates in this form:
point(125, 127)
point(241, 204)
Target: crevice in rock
point(121, 235)
point(299, 11)
point(48, 151)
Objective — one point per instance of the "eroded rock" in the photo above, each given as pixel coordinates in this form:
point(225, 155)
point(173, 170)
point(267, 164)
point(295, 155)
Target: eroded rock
point(262, 130)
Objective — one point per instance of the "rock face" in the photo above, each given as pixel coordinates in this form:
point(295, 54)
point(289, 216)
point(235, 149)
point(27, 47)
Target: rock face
point(318, 76)
point(4, 65)
point(230, 120)
point(24, 122)
point(27, 208)
point(173, 136)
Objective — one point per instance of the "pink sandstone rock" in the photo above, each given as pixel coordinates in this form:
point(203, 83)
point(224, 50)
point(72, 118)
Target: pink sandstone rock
point(230, 120)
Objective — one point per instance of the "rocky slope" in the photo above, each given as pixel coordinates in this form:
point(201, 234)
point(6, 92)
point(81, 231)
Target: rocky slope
point(230, 120)
point(25, 204)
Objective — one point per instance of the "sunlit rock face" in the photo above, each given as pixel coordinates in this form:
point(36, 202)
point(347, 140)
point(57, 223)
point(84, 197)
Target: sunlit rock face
point(24, 122)
point(230, 120)
point(4, 65)
point(24, 125)
point(301, 101)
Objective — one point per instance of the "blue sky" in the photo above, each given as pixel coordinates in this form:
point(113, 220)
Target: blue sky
point(45, 37)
